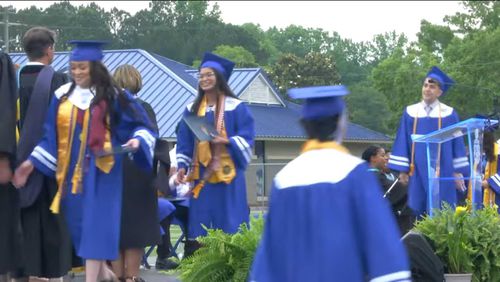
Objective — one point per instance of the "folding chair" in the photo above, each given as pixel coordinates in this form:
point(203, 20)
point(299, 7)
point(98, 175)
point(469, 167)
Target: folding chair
point(173, 251)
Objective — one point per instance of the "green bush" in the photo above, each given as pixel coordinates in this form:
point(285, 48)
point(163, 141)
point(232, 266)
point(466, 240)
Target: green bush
point(223, 257)
point(466, 241)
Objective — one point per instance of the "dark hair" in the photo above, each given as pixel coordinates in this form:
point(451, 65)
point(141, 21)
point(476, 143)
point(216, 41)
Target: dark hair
point(322, 129)
point(489, 145)
point(106, 89)
point(36, 40)
point(221, 85)
point(370, 152)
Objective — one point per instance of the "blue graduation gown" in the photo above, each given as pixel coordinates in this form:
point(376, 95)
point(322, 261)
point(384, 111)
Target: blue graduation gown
point(94, 215)
point(220, 205)
point(453, 157)
point(494, 181)
point(328, 221)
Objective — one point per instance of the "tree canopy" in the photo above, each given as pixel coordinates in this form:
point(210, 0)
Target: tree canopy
point(384, 74)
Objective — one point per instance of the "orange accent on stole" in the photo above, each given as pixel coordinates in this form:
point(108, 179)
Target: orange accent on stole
point(226, 171)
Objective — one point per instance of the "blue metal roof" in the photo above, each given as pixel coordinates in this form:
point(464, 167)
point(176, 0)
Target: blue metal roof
point(179, 68)
point(163, 87)
point(285, 125)
point(169, 86)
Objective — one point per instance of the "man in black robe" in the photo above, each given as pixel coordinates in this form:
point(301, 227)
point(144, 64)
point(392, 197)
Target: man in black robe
point(9, 203)
point(47, 250)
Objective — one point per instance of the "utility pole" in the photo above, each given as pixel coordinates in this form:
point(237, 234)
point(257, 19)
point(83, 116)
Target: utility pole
point(6, 28)
point(6, 11)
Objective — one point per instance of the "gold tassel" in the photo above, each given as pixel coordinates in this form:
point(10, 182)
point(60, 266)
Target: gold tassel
point(55, 207)
point(412, 169)
point(197, 189)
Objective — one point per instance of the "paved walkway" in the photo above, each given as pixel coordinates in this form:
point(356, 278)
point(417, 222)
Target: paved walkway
point(148, 275)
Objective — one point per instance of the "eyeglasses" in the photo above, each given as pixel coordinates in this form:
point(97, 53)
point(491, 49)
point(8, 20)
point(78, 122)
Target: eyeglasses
point(205, 75)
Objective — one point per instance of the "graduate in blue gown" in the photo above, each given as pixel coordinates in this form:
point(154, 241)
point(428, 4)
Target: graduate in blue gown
point(86, 118)
point(410, 159)
point(217, 168)
point(490, 195)
point(327, 219)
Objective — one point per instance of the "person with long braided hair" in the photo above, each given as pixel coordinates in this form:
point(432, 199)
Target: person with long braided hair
point(90, 122)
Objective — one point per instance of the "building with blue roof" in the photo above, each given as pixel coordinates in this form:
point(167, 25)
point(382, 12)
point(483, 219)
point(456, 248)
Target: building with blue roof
point(168, 86)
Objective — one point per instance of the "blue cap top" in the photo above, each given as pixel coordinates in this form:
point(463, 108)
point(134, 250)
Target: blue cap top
point(86, 50)
point(320, 101)
point(445, 82)
point(488, 127)
point(222, 65)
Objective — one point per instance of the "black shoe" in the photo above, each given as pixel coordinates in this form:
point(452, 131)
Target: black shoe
point(165, 264)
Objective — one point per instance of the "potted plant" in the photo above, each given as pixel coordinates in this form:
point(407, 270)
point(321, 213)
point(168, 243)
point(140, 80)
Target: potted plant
point(467, 242)
point(223, 257)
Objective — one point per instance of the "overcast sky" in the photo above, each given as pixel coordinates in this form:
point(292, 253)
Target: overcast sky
point(358, 20)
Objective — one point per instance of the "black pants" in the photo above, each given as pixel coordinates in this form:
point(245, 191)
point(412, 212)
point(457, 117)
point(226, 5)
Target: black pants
point(405, 223)
point(181, 213)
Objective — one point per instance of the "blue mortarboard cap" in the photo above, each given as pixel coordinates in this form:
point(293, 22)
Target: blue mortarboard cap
point(320, 101)
point(445, 82)
point(489, 127)
point(222, 65)
point(86, 50)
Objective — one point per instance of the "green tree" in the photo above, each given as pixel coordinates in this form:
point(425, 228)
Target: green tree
point(434, 38)
point(70, 22)
point(474, 64)
point(298, 40)
point(383, 45)
point(479, 15)
point(399, 78)
point(314, 69)
point(267, 53)
point(368, 107)
point(242, 57)
point(350, 58)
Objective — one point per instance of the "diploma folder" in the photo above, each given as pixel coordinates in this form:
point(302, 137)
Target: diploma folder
point(203, 130)
point(114, 151)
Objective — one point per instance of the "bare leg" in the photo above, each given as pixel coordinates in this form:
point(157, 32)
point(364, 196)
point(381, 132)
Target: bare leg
point(119, 264)
point(92, 270)
point(106, 273)
point(133, 259)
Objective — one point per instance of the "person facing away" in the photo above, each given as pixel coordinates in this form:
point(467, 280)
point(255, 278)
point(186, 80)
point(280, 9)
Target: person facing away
point(218, 166)
point(10, 237)
point(47, 249)
point(89, 122)
point(394, 191)
point(139, 226)
point(410, 158)
point(327, 220)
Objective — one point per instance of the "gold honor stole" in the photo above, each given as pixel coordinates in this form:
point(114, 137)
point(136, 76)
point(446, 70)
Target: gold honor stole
point(490, 170)
point(66, 123)
point(225, 170)
point(315, 144)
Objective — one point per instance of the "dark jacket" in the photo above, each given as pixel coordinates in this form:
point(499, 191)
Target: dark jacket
point(8, 96)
